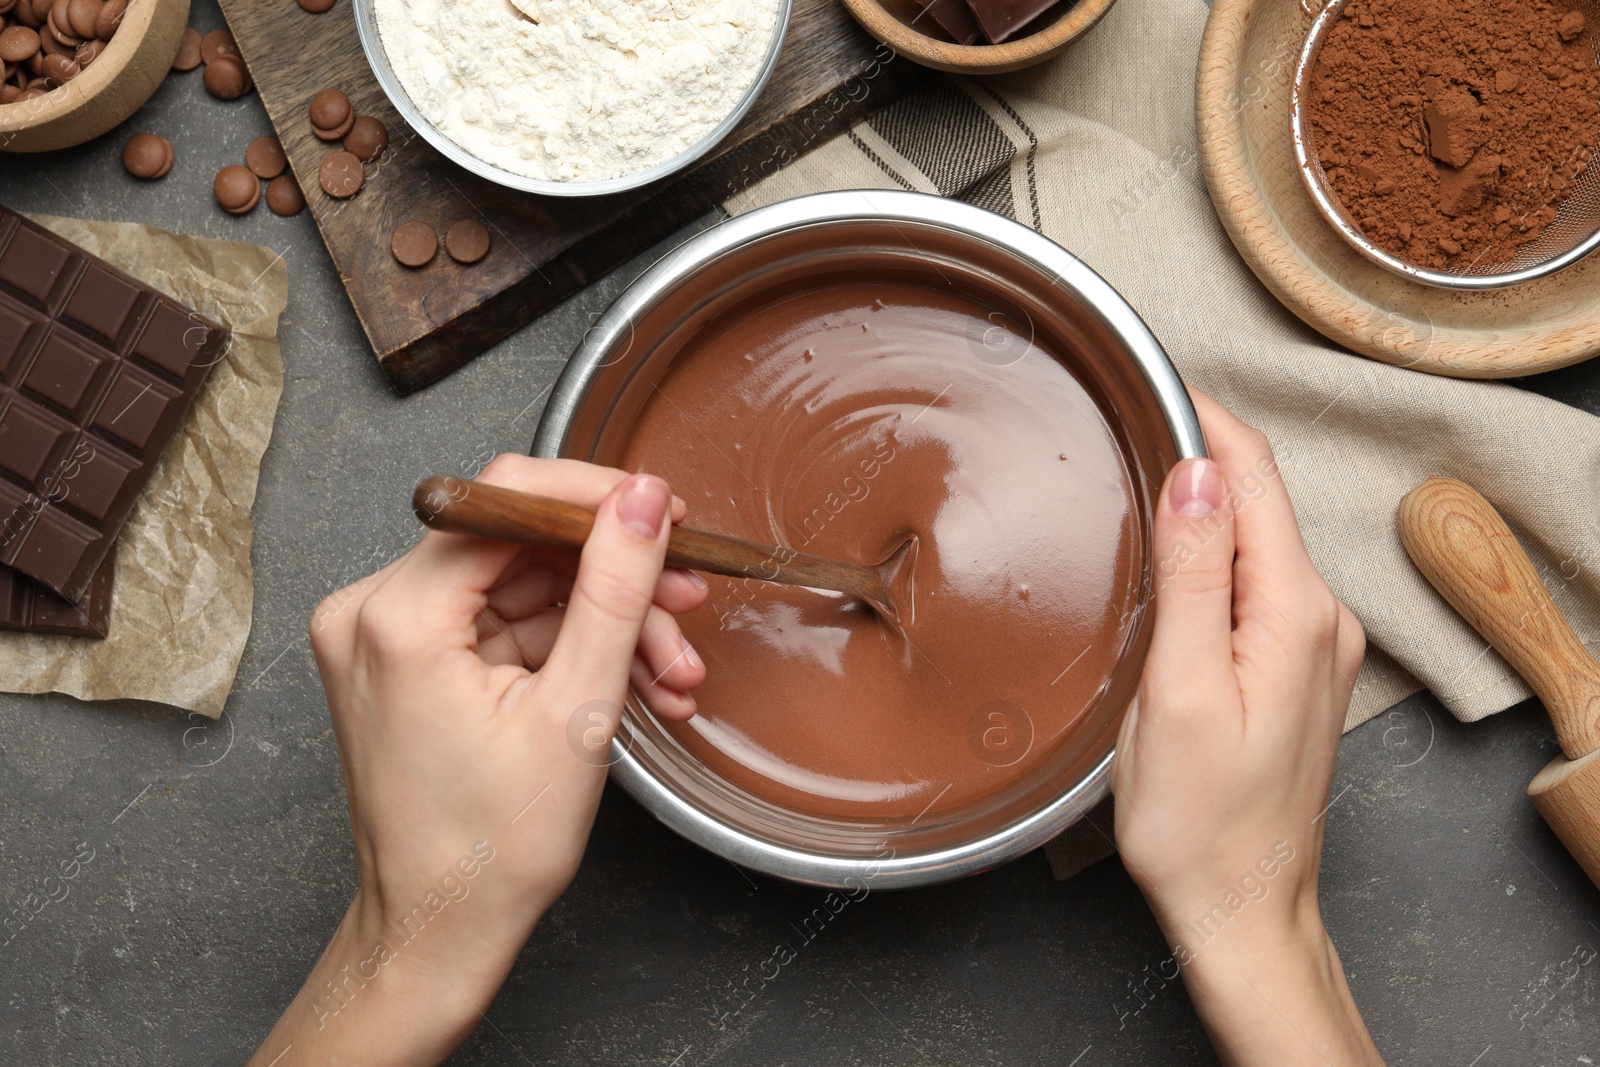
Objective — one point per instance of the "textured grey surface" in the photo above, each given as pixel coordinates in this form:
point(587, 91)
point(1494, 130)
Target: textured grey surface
point(221, 860)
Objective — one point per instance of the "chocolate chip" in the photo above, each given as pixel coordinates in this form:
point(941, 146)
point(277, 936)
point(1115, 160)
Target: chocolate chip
point(316, 7)
point(60, 23)
point(265, 157)
point(284, 196)
point(336, 132)
point(340, 175)
point(216, 44)
point(366, 139)
point(414, 243)
point(467, 241)
point(88, 52)
point(58, 70)
point(109, 18)
point(236, 189)
point(329, 108)
point(147, 156)
point(18, 43)
point(225, 78)
point(188, 56)
point(81, 16)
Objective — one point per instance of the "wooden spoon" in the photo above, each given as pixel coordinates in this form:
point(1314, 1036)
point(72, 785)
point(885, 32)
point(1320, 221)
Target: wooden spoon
point(458, 506)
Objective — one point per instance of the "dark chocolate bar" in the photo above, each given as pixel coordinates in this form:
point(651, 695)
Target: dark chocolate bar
point(27, 605)
point(96, 373)
point(1001, 19)
point(952, 16)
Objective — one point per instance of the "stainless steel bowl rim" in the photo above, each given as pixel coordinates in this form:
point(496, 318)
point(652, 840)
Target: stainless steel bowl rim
point(378, 60)
point(910, 209)
point(1332, 212)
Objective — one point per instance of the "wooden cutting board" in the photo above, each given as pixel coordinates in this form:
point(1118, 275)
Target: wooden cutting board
point(425, 323)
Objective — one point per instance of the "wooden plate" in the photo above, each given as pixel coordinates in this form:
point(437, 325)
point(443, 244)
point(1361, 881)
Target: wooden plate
point(1247, 60)
point(110, 89)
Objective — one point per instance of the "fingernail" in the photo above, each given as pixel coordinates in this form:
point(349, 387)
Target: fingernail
point(691, 657)
point(1196, 488)
point(696, 580)
point(678, 504)
point(642, 507)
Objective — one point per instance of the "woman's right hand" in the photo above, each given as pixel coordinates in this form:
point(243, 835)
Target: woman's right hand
point(1225, 761)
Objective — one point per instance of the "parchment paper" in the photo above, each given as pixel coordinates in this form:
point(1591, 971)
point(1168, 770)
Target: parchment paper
point(181, 605)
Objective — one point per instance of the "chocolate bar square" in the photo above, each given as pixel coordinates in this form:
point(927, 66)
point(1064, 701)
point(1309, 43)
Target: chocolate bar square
point(97, 371)
point(28, 606)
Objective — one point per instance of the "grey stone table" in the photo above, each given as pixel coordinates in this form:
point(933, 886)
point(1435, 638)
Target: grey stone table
point(221, 859)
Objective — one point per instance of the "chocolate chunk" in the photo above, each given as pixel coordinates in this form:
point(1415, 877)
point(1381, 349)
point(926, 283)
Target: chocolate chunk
point(329, 109)
point(216, 44)
point(341, 176)
point(414, 244)
point(236, 189)
point(28, 606)
point(147, 156)
point(284, 196)
point(265, 157)
point(225, 78)
point(188, 57)
point(952, 16)
point(97, 371)
point(467, 241)
point(1468, 189)
point(367, 138)
point(1451, 122)
point(1001, 19)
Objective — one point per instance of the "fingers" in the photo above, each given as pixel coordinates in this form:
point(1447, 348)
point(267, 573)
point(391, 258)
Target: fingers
point(611, 597)
point(1191, 650)
point(662, 700)
point(680, 591)
point(1271, 554)
point(672, 661)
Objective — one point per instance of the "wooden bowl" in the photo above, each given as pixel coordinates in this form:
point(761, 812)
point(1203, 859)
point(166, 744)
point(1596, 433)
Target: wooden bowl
point(110, 89)
point(890, 22)
point(1242, 118)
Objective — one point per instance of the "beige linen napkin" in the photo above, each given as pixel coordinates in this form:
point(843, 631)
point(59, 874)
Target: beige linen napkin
point(181, 603)
point(1096, 149)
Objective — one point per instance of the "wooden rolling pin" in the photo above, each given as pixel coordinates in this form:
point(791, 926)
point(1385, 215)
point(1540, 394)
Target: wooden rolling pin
point(1464, 548)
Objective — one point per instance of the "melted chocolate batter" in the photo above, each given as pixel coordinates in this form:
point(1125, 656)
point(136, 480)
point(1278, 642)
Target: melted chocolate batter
point(837, 419)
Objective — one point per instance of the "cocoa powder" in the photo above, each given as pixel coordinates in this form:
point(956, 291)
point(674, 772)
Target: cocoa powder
point(1452, 130)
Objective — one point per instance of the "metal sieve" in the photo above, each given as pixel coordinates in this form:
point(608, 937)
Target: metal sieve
point(1574, 233)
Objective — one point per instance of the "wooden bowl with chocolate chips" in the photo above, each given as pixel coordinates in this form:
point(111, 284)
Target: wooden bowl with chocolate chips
point(977, 36)
point(84, 68)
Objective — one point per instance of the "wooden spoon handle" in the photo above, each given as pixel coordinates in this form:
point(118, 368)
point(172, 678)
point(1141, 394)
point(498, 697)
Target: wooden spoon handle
point(1465, 549)
point(459, 506)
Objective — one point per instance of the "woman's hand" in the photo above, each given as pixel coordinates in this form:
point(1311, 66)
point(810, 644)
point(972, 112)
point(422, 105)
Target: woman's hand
point(474, 720)
point(1224, 764)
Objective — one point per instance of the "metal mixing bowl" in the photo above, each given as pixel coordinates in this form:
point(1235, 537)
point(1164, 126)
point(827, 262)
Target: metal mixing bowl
point(613, 373)
point(1574, 233)
point(378, 59)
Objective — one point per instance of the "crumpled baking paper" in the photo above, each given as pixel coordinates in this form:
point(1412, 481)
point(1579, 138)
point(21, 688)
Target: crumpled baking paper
point(180, 610)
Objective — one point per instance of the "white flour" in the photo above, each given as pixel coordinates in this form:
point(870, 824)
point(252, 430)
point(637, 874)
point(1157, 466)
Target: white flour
point(576, 90)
